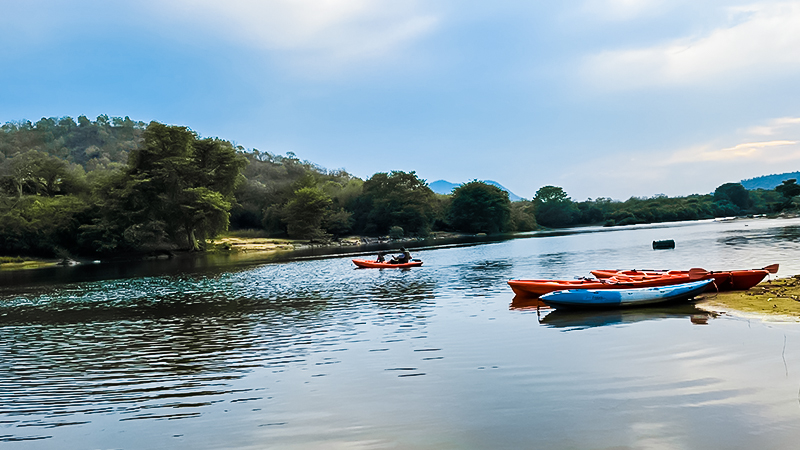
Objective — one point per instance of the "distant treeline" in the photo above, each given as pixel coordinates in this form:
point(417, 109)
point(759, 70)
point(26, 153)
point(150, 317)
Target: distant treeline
point(769, 181)
point(113, 185)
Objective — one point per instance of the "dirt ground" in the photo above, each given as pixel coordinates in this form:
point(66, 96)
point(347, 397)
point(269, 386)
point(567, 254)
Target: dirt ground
point(777, 299)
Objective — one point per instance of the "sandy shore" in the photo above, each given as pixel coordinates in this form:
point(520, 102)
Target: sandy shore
point(776, 300)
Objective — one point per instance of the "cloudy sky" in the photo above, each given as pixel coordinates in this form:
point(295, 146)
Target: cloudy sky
point(605, 98)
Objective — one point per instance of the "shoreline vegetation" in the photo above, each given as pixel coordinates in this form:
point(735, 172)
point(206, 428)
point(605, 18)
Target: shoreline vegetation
point(115, 189)
point(113, 186)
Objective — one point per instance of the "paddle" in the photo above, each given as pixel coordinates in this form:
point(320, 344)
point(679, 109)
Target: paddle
point(772, 268)
point(697, 273)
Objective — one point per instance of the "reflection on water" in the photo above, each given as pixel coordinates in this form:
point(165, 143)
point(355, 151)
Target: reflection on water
point(578, 320)
point(316, 354)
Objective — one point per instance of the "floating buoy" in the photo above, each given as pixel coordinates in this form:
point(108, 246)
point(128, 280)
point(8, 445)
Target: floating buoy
point(665, 244)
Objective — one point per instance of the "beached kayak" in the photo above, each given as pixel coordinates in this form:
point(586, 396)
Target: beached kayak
point(370, 264)
point(726, 280)
point(536, 288)
point(614, 298)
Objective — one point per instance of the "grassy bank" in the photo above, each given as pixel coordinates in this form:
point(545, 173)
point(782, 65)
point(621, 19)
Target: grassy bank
point(777, 299)
point(20, 263)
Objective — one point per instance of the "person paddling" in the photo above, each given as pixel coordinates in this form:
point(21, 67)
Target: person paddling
point(402, 258)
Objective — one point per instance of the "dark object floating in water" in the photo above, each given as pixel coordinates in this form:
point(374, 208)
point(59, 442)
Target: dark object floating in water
point(660, 245)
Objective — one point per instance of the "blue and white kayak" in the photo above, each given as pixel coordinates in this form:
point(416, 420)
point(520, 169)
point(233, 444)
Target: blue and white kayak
point(611, 298)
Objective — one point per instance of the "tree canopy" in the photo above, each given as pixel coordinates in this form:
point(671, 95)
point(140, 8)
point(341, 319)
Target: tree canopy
point(114, 185)
point(477, 207)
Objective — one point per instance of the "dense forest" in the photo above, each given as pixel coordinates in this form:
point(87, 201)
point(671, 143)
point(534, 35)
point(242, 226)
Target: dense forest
point(116, 186)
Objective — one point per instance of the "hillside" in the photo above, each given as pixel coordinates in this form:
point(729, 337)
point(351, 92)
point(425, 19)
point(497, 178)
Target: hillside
point(769, 181)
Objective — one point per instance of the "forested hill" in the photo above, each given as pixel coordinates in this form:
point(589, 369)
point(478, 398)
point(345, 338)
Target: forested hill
point(769, 181)
point(90, 144)
point(114, 185)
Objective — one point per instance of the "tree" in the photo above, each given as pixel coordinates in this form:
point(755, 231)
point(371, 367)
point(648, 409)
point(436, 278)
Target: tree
point(523, 216)
point(734, 193)
point(478, 207)
point(554, 208)
point(789, 188)
point(182, 184)
point(305, 212)
point(396, 199)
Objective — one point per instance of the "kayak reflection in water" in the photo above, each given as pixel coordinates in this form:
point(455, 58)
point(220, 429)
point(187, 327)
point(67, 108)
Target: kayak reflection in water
point(402, 258)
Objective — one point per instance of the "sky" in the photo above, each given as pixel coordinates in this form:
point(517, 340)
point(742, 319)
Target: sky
point(604, 98)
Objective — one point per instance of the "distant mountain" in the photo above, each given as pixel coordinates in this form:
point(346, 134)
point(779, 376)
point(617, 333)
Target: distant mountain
point(446, 187)
point(769, 181)
point(442, 187)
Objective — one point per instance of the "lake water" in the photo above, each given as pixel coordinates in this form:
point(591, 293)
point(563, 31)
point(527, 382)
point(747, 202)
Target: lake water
point(315, 354)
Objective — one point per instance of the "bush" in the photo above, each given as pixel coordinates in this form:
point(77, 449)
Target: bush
point(396, 232)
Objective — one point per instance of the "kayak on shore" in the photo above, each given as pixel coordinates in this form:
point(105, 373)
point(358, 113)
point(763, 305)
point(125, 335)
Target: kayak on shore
point(726, 280)
point(605, 298)
point(370, 264)
point(537, 288)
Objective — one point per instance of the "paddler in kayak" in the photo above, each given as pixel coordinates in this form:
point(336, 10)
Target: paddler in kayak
point(402, 258)
point(381, 257)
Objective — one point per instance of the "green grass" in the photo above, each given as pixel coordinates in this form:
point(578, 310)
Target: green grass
point(247, 234)
point(11, 259)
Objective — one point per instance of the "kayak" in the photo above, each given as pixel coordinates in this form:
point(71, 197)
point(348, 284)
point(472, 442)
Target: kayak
point(599, 298)
point(536, 288)
point(726, 280)
point(370, 264)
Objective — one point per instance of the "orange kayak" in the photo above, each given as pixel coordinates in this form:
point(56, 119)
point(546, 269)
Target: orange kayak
point(535, 288)
point(370, 264)
point(727, 280)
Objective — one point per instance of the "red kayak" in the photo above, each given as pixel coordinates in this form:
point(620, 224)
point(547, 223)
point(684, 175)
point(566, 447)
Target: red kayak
point(727, 280)
point(535, 288)
point(370, 264)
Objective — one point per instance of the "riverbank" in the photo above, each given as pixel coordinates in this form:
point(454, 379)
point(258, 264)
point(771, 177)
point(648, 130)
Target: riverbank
point(774, 300)
point(259, 244)
point(19, 263)
point(255, 248)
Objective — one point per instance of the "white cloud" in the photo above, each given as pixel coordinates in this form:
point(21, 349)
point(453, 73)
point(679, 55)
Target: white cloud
point(774, 126)
point(313, 33)
point(761, 39)
point(697, 168)
point(769, 151)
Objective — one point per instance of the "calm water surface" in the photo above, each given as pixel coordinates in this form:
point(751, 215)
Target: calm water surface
point(315, 354)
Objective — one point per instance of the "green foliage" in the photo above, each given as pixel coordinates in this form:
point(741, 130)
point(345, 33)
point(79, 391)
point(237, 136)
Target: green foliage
point(478, 207)
point(42, 226)
point(789, 188)
point(187, 183)
point(397, 198)
point(734, 193)
point(305, 213)
point(523, 217)
point(115, 185)
point(396, 232)
point(270, 182)
point(89, 144)
point(765, 200)
point(554, 208)
point(36, 173)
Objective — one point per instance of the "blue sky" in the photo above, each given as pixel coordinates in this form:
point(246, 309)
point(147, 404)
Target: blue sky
point(605, 98)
